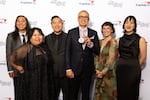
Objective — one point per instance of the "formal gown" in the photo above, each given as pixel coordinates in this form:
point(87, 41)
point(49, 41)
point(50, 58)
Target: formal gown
point(128, 70)
point(105, 88)
point(34, 80)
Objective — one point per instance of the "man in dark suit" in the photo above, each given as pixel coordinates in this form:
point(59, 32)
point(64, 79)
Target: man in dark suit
point(81, 46)
point(56, 44)
point(15, 39)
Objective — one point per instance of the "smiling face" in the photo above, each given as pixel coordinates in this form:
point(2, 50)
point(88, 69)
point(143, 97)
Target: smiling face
point(57, 25)
point(21, 24)
point(107, 31)
point(129, 26)
point(83, 19)
point(36, 38)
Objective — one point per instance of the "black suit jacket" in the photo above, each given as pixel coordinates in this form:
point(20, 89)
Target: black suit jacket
point(57, 54)
point(79, 60)
point(13, 41)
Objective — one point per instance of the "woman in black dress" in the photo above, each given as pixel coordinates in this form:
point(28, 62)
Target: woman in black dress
point(132, 50)
point(31, 60)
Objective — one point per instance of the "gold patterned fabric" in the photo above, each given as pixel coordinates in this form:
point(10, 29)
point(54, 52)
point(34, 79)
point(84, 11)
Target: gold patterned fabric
point(105, 88)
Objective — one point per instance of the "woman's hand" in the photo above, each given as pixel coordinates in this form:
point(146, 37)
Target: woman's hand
point(99, 74)
point(20, 69)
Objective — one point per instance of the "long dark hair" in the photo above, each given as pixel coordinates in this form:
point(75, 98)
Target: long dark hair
point(27, 24)
point(15, 32)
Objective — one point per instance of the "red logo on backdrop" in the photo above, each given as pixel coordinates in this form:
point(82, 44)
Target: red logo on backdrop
point(28, 2)
point(145, 4)
point(148, 2)
point(92, 1)
point(34, 1)
point(117, 22)
point(9, 98)
point(142, 81)
point(86, 2)
point(3, 20)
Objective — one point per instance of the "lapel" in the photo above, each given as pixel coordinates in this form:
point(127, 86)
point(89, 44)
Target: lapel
point(18, 41)
point(77, 37)
point(90, 34)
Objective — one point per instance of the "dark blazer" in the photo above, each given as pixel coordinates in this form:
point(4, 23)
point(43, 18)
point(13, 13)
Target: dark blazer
point(79, 60)
point(57, 54)
point(13, 41)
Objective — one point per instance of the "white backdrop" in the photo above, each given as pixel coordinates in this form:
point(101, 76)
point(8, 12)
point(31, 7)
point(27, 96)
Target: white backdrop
point(39, 13)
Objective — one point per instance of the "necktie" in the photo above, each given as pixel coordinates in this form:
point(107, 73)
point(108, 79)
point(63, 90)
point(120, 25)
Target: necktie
point(24, 41)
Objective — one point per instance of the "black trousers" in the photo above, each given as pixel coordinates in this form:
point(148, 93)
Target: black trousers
point(82, 84)
point(61, 84)
point(19, 88)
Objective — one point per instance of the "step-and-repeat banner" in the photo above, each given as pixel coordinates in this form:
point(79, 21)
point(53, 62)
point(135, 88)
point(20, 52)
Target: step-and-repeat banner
point(39, 13)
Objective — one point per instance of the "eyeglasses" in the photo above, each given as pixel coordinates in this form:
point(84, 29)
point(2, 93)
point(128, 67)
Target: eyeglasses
point(84, 17)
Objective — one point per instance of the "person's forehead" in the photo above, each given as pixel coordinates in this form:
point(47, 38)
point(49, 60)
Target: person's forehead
point(21, 18)
point(130, 20)
point(83, 13)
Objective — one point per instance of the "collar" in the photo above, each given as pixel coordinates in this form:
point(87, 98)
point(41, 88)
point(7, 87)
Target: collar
point(22, 33)
point(81, 29)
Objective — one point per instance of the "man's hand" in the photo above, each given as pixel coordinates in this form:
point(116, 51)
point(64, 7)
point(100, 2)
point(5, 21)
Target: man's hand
point(11, 74)
point(69, 73)
point(87, 40)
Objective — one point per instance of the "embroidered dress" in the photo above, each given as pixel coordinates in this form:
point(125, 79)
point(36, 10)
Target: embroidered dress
point(34, 80)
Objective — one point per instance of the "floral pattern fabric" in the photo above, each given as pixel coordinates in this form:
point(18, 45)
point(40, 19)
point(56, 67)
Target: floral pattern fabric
point(105, 88)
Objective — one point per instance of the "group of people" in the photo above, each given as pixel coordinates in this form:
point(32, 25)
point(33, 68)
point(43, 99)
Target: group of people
point(41, 66)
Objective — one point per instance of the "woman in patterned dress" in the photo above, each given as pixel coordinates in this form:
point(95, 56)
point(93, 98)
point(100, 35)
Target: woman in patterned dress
point(105, 88)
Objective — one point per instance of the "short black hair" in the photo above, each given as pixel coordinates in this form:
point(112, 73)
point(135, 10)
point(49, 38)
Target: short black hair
point(108, 24)
point(55, 17)
point(31, 31)
point(130, 18)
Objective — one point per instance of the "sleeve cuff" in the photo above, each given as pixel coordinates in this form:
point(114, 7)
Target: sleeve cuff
point(68, 70)
point(10, 71)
